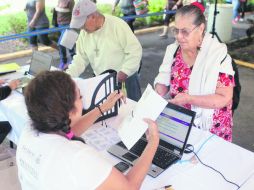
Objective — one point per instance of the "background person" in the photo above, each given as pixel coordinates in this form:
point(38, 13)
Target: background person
point(38, 20)
point(170, 5)
point(127, 9)
point(200, 74)
point(47, 156)
point(5, 91)
point(64, 11)
point(243, 6)
point(236, 5)
point(105, 42)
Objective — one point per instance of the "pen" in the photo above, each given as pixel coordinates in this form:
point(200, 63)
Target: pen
point(119, 101)
point(124, 89)
point(167, 187)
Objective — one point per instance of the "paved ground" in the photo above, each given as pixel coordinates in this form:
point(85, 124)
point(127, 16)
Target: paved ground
point(153, 52)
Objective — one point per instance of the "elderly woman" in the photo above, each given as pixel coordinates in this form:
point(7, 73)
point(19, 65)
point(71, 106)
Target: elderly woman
point(50, 156)
point(199, 72)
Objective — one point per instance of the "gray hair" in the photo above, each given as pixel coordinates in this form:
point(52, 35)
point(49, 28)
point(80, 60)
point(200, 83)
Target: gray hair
point(193, 11)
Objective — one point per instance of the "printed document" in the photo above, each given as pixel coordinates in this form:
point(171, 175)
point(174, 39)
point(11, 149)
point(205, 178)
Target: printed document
point(133, 127)
point(88, 86)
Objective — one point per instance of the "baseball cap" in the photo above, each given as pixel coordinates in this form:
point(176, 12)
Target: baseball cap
point(81, 10)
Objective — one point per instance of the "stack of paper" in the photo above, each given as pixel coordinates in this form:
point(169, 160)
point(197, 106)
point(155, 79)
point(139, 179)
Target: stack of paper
point(68, 38)
point(9, 67)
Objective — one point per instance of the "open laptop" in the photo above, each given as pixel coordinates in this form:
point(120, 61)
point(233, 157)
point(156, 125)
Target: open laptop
point(40, 62)
point(174, 125)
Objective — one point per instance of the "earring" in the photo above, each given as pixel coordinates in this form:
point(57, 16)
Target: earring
point(199, 43)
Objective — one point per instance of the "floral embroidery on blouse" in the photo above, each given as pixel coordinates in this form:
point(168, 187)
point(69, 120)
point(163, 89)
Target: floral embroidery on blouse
point(179, 82)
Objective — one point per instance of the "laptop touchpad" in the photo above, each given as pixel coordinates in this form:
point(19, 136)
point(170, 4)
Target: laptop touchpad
point(130, 157)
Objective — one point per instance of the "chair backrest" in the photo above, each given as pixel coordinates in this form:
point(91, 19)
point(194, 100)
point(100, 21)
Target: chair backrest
point(108, 84)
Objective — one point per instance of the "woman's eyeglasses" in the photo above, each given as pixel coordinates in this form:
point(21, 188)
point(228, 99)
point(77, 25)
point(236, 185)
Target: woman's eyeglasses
point(185, 32)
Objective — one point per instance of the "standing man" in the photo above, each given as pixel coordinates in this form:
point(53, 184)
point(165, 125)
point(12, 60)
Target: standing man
point(105, 42)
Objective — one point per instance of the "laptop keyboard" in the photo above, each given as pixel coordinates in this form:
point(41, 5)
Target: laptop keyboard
point(24, 80)
point(162, 158)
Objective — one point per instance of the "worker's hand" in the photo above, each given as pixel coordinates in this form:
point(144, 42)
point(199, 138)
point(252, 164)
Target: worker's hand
point(152, 133)
point(121, 76)
point(14, 84)
point(111, 100)
point(2, 81)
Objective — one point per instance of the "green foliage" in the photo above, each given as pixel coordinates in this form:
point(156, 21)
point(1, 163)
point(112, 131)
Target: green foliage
point(3, 7)
point(4, 25)
point(17, 23)
point(213, 1)
point(250, 5)
point(155, 6)
point(107, 9)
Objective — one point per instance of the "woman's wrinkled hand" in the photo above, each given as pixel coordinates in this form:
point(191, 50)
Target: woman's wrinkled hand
point(161, 89)
point(181, 99)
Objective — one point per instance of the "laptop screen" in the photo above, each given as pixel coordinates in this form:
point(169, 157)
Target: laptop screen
point(174, 125)
point(40, 62)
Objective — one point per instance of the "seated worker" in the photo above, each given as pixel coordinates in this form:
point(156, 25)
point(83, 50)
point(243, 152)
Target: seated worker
point(105, 42)
point(50, 156)
point(199, 72)
point(5, 91)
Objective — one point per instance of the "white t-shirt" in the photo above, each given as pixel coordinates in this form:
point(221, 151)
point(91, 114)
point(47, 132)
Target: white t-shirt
point(52, 162)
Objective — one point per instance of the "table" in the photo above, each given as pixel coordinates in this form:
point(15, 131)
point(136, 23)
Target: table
point(13, 108)
point(236, 163)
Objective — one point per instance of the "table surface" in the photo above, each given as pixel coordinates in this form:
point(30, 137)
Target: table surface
point(234, 162)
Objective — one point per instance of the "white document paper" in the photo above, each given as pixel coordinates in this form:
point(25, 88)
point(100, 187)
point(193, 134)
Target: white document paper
point(133, 127)
point(87, 89)
point(68, 39)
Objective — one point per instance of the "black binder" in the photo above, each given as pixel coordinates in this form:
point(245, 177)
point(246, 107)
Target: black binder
point(109, 84)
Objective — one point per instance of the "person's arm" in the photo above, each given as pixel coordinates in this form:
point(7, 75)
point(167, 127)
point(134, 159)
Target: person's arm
point(80, 60)
point(5, 91)
point(114, 6)
point(40, 5)
point(131, 49)
point(177, 5)
point(88, 119)
point(221, 98)
point(161, 81)
point(134, 178)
